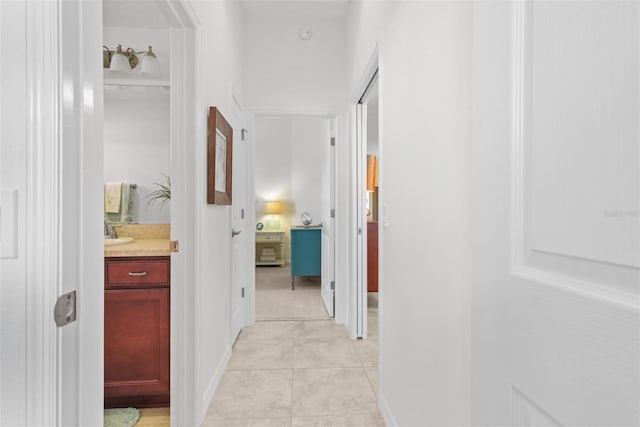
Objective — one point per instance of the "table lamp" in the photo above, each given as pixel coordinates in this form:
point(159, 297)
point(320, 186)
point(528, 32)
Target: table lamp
point(273, 208)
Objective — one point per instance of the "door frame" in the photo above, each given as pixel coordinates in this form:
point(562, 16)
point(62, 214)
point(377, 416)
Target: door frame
point(244, 136)
point(357, 317)
point(182, 22)
point(81, 354)
point(340, 305)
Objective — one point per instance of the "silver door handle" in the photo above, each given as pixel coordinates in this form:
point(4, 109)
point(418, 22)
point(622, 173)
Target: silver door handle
point(234, 233)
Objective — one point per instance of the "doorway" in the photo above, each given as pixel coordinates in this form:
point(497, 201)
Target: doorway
point(367, 184)
point(372, 208)
point(294, 191)
point(153, 110)
point(137, 214)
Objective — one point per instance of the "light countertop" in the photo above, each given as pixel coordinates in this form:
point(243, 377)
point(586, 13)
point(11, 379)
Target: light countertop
point(140, 247)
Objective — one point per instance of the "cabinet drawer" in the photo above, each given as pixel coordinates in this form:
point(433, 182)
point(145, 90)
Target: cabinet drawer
point(267, 236)
point(126, 273)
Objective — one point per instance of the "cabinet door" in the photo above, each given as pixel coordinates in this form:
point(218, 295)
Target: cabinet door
point(372, 257)
point(306, 249)
point(136, 347)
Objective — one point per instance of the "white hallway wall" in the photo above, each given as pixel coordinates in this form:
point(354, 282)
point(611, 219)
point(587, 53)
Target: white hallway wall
point(425, 134)
point(218, 70)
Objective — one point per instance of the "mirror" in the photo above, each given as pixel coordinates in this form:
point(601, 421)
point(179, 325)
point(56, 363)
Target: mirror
point(137, 148)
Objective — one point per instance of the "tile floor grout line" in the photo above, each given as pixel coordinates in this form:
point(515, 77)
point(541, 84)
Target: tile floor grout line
point(291, 406)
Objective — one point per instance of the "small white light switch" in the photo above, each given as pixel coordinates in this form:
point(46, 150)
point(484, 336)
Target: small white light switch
point(8, 223)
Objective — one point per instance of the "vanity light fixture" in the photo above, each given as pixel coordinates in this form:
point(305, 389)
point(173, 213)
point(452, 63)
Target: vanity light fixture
point(127, 60)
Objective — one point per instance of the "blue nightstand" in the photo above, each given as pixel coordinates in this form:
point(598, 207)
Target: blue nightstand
point(306, 252)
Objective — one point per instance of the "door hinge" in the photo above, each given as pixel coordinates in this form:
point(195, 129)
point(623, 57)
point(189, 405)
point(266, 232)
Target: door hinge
point(333, 141)
point(243, 133)
point(242, 292)
point(333, 213)
point(174, 246)
point(333, 285)
point(65, 309)
point(242, 213)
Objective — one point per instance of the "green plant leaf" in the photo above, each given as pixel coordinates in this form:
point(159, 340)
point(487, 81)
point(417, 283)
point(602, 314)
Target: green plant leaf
point(162, 195)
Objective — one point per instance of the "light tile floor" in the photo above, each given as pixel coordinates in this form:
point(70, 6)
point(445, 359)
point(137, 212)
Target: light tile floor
point(298, 372)
point(276, 301)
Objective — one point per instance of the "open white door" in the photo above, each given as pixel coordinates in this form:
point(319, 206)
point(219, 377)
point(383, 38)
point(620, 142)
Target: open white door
point(556, 234)
point(50, 210)
point(361, 220)
point(328, 224)
point(239, 264)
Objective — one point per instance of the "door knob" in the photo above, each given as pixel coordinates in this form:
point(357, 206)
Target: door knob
point(234, 233)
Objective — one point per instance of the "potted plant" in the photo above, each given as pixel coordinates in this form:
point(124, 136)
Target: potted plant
point(162, 194)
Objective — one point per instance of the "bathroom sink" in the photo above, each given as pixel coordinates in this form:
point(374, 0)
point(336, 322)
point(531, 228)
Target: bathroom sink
point(119, 241)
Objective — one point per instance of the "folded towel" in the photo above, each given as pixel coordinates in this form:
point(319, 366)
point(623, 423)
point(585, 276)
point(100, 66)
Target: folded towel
point(126, 200)
point(112, 197)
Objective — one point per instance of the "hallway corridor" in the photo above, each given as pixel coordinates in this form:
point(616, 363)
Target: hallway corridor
point(299, 373)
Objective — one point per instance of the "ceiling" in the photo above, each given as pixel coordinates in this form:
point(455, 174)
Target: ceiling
point(323, 9)
point(133, 14)
point(146, 14)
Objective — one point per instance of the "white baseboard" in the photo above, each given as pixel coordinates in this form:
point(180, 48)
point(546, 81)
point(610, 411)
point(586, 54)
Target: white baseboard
point(207, 398)
point(385, 411)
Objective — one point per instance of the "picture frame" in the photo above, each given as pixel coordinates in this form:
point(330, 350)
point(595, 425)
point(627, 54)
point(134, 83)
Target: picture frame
point(219, 159)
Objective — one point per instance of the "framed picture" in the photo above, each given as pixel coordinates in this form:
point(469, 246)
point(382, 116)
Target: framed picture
point(219, 158)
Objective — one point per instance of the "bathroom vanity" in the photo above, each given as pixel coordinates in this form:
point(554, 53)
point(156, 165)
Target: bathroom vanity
point(137, 287)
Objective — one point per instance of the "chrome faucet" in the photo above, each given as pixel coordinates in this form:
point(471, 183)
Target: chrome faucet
point(109, 231)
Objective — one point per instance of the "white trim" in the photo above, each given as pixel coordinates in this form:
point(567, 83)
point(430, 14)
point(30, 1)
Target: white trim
point(341, 221)
point(79, 97)
point(367, 74)
point(360, 218)
point(583, 288)
point(351, 224)
point(357, 309)
point(213, 383)
point(43, 189)
point(385, 411)
point(518, 134)
point(184, 408)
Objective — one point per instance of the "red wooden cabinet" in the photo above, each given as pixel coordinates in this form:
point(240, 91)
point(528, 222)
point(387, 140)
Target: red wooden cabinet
point(372, 256)
point(136, 332)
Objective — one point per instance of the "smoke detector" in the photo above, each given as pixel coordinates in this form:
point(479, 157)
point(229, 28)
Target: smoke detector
point(304, 34)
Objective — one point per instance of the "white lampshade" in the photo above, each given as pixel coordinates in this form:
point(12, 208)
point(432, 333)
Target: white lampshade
point(150, 64)
point(273, 207)
point(120, 62)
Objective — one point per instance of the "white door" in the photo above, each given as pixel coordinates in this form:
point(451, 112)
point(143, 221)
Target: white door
point(556, 236)
point(328, 224)
point(239, 264)
point(361, 220)
point(13, 227)
point(50, 211)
